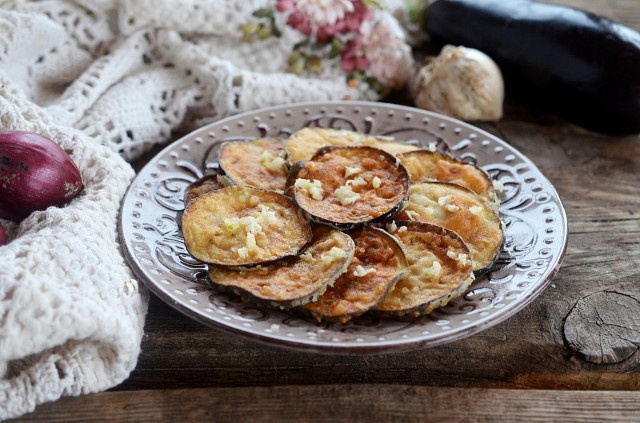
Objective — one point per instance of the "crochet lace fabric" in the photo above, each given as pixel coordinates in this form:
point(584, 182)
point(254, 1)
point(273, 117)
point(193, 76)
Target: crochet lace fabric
point(107, 80)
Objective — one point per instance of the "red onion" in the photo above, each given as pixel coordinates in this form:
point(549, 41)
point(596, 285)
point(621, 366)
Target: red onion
point(35, 173)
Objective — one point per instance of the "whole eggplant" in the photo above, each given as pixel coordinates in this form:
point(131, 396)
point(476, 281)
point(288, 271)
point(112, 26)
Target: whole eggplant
point(583, 67)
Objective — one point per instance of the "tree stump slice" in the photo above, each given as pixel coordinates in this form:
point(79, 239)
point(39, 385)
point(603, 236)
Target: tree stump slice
point(604, 327)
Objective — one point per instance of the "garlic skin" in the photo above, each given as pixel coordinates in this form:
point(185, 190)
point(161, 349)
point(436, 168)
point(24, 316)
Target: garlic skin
point(460, 82)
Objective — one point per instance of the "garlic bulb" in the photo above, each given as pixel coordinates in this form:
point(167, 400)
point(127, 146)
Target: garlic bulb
point(460, 82)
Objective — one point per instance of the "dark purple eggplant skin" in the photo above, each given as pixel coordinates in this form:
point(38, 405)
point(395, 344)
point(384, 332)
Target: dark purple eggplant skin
point(580, 66)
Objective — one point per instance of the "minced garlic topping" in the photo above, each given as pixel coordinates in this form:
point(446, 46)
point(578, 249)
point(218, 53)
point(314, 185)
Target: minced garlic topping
point(361, 271)
point(345, 195)
point(251, 242)
point(334, 254)
point(349, 171)
point(243, 252)
point(477, 210)
point(356, 182)
point(451, 208)
point(224, 180)
point(432, 147)
point(313, 188)
point(266, 217)
point(272, 163)
point(376, 182)
point(444, 202)
point(497, 185)
point(392, 227)
point(402, 229)
point(253, 225)
point(435, 270)
point(412, 214)
point(461, 259)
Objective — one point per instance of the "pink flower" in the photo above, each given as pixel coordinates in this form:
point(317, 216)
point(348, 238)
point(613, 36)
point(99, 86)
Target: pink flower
point(325, 33)
point(388, 55)
point(284, 5)
point(353, 57)
point(377, 37)
point(327, 17)
point(324, 12)
point(350, 23)
point(353, 20)
point(300, 22)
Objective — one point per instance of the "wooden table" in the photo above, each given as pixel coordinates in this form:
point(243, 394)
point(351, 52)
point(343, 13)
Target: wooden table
point(523, 368)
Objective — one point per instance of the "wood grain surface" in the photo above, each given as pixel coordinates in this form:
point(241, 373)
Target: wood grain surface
point(598, 180)
point(344, 403)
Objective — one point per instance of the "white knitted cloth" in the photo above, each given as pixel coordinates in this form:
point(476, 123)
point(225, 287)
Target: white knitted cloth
point(107, 80)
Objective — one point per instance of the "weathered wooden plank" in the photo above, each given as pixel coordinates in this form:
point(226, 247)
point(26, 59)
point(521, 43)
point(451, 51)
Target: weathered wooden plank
point(526, 351)
point(344, 403)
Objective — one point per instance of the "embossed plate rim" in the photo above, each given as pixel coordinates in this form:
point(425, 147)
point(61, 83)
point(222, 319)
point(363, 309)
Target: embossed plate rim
point(348, 347)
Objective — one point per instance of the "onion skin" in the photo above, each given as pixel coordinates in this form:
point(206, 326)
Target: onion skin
point(35, 173)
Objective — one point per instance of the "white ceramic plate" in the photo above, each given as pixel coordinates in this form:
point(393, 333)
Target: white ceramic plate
point(533, 216)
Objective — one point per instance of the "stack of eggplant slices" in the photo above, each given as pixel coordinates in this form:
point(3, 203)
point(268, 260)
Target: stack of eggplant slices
point(334, 224)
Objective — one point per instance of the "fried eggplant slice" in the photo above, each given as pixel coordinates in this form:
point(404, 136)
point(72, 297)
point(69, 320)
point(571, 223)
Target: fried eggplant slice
point(207, 183)
point(347, 186)
point(461, 210)
point(378, 263)
point(427, 166)
point(440, 270)
point(294, 281)
point(303, 144)
point(258, 163)
point(291, 177)
point(388, 145)
point(243, 226)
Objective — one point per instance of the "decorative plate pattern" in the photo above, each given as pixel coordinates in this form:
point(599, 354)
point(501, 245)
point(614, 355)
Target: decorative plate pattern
point(533, 217)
